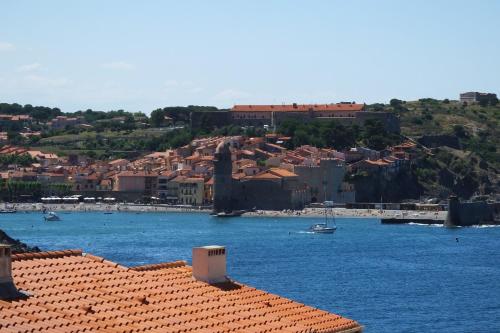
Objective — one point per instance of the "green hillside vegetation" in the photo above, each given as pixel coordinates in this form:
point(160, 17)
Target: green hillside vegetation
point(476, 127)
point(115, 144)
point(467, 169)
point(335, 135)
point(458, 152)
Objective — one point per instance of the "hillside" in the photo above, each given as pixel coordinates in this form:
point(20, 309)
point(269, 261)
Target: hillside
point(463, 139)
point(458, 144)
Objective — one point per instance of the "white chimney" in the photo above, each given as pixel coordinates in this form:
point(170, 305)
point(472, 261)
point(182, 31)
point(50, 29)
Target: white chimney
point(209, 263)
point(7, 288)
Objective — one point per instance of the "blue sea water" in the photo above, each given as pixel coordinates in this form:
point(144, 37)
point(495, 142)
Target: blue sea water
point(390, 278)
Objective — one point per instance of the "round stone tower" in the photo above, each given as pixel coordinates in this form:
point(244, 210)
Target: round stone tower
point(453, 217)
point(223, 168)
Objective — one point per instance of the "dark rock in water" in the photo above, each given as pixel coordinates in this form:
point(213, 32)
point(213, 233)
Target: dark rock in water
point(16, 245)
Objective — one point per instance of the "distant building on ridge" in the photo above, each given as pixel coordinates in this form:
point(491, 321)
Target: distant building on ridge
point(478, 97)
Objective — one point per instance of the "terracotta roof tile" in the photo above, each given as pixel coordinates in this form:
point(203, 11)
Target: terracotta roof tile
point(75, 292)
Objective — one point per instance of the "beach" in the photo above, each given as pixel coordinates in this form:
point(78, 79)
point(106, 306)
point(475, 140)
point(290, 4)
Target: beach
point(353, 213)
point(157, 208)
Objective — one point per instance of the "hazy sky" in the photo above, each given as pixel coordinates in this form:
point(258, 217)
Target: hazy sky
point(141, 55)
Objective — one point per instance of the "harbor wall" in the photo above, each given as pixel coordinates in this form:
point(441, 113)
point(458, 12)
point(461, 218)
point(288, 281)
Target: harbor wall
point(470, 213)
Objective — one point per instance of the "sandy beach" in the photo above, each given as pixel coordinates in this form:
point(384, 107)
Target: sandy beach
point(99, 207)
point(353, 213)
point(307, 212)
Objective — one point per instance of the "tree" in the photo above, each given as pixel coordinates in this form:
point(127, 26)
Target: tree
point(460, 131)
point(14, 137)
point(300, 138)
point(376, 137)
point(395, 102)
point(157, 117)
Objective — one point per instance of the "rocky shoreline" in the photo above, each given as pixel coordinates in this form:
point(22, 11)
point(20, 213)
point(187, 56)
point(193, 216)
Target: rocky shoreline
point(16, 245)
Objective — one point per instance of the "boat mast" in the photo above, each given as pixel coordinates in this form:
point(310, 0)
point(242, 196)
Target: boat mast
point(324, 201)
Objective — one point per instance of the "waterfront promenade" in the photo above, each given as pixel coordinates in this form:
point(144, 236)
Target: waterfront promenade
point(307, 212)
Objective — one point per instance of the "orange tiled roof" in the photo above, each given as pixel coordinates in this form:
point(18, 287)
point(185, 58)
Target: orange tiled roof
point(141, 173)
point(75, 292)
point(118, 161)
point(405, 145)
point(282, 172)
point(378, 162)
point(298, 107)
point(265, 175)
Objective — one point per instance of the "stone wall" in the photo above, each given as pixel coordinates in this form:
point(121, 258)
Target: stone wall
point(434, 141)
point(210, 119)
point(265, 195)
point(325, 180)
point(390, 120)
point(470, 213)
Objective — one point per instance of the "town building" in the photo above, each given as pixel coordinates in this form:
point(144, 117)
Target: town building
point(478, 97)
point(272, 189)
point(62, 122)
point(324, 179)
point(70, 291)
point(119, 164)
point(271, 116)
point(259, 115)
point(18, 121)
point(45, 159)
point(275, 188)
point(191, 191)
point(142, 182)
point(233, 175)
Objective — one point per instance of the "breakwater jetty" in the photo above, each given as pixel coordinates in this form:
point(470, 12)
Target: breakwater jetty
point(407, 220)
point(459, 214)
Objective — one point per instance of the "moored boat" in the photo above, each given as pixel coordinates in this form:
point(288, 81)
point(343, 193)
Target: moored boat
point(234, 213)
point(323, 228)
point(52, 216)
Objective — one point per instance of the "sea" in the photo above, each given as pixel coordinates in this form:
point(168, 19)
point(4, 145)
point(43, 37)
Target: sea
point(390, 278)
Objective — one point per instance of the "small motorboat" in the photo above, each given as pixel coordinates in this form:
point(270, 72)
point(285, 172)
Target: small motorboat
point(234, 213)
point(52, 216)
point(7, 211)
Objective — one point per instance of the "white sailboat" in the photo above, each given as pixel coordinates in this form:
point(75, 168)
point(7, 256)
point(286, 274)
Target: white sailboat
point(323, 228)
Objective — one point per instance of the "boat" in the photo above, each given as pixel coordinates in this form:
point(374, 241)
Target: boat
point(7, 211)
point(323, 228)
point(234, 213)
point(52, 217)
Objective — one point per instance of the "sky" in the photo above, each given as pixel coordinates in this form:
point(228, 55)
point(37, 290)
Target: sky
point(143, 55)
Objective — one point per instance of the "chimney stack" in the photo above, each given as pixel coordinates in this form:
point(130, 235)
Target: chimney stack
point(209, 263)
point(8, 290)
